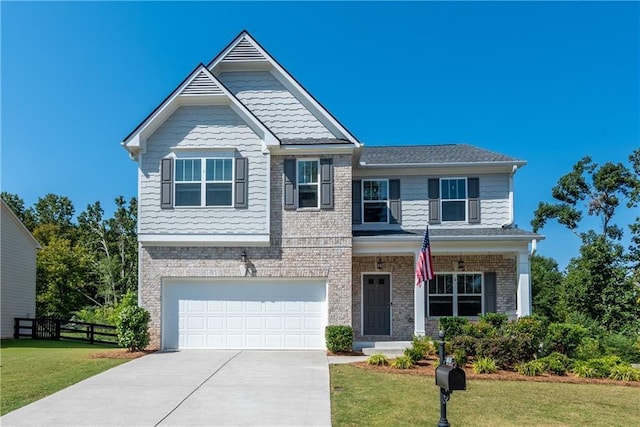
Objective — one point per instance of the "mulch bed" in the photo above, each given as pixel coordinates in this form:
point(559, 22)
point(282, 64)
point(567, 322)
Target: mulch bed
point(120, 353)
point(425, 368)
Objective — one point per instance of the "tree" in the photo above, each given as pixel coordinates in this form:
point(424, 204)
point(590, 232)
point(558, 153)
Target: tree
point(26, 216)
point(547, 289)
point(598, 282)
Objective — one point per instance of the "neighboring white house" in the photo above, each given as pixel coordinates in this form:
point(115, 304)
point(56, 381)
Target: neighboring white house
point(18, 270)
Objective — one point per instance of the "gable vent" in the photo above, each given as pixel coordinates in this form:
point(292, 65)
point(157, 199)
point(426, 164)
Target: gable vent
point(202, 85)
point(244, 51)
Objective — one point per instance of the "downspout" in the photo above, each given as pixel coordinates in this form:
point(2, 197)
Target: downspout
point(509, 223)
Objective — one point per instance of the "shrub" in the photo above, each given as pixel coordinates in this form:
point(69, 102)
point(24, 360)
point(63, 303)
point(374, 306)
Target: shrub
point(402, 362)
point(621, 345)
point(601, 367)
point(625, 373)
point(339, 338)
point(460, 357)
point(506, 351)
point(589, 348)
point(424, 344)
point(100, 315)
point(556, 363)
point(415, 354)
point(132, 326)
point(452, 326)
point(531, 369)
point(480, 330)
point(582, 369)
point(564, 338)
point(531, 329)
point(484, 365)
point(496, 320)
point(377, 360)
point(464, 342)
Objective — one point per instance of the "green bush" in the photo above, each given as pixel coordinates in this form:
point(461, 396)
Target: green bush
point(415, 354)
point(531, 329)
point(460, 357)
point(564, 338)
point(99, 315)
point(132, 327)
point(424, 344)
point(556, 363)
point(601, 367)
point(507, 351)
point(480, 330)
point(625, 373)
point(582, 369)
point(452, 326)
point(484, 365)
point(496, 320)
point(339, 338)
point(464, 342)
point(377, 360)
point(402, 362)
point(589, 348)
point(621, 345)
point(531, 369)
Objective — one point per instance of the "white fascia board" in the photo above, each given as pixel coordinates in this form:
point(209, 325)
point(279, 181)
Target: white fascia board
point(292, 86)
point(204, 239)
point(383, 245)
point(311, 149)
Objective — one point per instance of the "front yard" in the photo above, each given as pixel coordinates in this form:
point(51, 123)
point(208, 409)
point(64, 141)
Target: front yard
point(362, 397)
point(33, 369)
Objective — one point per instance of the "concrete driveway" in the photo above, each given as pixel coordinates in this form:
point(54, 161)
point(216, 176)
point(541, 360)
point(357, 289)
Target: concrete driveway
point(194, 388)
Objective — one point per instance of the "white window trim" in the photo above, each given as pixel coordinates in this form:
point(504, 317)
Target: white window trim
point(465, 200)
point(374, 201)
point(455, 293)
point(203, 182)
point(317, 184)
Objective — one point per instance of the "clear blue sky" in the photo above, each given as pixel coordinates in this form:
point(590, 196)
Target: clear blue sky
point(546, 82)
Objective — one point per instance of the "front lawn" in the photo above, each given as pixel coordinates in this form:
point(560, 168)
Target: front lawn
point(362, 397)
point(33, 369)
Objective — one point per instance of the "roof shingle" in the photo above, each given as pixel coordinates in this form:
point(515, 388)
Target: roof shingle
point(431, 154)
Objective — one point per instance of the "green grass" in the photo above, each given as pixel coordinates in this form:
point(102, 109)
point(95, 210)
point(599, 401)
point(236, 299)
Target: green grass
point(361, 397)
point(33, 369)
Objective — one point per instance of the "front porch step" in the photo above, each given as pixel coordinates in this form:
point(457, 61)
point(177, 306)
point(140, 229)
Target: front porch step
point(388, 348)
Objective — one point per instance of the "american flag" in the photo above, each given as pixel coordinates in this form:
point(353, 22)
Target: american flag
point(424, 269)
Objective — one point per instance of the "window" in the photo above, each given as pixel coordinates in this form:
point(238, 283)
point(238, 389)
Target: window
point(375, 196)
point(454, 199)
point(456, 294)
point(307, 183)
point(214, 190)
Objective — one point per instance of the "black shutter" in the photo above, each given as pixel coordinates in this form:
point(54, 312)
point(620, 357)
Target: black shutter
point(326, 183)
point(242, 183)
point(166, 184)
point(474, 199)
point(356, 195)
point(490, 285)
point(434, 201)
point(394, 202)
point(290, 184)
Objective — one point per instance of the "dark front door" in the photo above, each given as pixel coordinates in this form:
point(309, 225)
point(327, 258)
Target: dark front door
point(377, 304)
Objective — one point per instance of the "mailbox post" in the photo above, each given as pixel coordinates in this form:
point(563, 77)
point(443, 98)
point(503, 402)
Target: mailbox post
point(448, 378)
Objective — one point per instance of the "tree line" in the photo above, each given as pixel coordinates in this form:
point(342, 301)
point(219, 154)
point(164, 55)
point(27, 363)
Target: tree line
point(87, 262)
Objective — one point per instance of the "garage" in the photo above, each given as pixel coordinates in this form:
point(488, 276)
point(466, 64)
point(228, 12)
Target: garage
point(244, 314)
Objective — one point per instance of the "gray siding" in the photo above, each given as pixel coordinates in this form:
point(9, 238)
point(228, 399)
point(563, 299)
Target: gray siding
point(274, 105)
point(494, 203)
point(18, 277)
point(207, 127)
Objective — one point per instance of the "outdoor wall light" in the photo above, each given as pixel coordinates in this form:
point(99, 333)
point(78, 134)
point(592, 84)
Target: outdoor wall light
point(380, 264)
point(243, 256)
point(461, 264)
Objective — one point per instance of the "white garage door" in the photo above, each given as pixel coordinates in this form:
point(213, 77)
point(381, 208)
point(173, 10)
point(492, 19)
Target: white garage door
point(244, 314)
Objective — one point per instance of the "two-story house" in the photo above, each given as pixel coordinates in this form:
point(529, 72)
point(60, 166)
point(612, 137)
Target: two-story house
point(262, 219)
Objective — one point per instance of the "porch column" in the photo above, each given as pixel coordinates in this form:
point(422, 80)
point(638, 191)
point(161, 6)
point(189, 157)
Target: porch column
point(418, 304)
point(524, 285)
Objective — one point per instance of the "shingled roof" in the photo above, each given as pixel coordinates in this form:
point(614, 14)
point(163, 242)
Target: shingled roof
point(455, 233)
point(432, 155)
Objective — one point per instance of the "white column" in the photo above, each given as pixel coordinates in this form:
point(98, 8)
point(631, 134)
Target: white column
point(524, 285)
point(418, 304)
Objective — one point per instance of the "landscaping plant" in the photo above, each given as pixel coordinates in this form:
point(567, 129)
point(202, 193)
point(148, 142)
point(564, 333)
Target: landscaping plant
point(132, 324)
point(402, 362)
point(339, 338)
point(377, 360)
point(484, 365)
point(533, 368)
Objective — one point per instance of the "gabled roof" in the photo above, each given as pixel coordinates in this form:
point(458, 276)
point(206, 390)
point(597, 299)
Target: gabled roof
point(244, 51)
point(199, 88)
point(440, 155)
point(6, 210)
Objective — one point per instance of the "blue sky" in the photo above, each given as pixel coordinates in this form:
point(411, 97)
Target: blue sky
point(546, 82)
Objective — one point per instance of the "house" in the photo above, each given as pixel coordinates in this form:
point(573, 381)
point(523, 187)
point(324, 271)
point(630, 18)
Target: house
point(262, 219)
point(18, 273)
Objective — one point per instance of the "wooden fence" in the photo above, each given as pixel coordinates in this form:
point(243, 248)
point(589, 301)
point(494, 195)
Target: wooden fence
point(56, 329)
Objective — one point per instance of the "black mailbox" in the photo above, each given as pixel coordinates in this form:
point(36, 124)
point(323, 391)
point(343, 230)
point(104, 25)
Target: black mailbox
point(451, 378)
